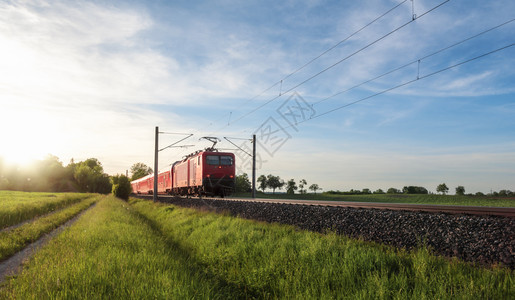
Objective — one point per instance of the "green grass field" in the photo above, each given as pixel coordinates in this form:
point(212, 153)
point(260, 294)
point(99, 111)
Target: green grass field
point(142, 250)
point(12, 241)
point(16, 207)
point(397, 198)
point(113, 253)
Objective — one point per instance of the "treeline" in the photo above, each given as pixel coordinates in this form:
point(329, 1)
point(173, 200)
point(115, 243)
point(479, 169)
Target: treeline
point(405, 190)
point(242, 184)
point(441, 188)
point(50, 175)
point(272, 182)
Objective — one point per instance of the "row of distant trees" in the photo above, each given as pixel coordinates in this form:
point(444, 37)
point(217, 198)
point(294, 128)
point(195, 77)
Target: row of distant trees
point(441, 188)
point(274, 183)
point(405, 190)
point(50, 175)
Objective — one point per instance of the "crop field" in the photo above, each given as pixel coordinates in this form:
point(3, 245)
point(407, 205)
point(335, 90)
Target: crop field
point(15, 239)
point(398, 198)
point(16, 207)
point(142, 250)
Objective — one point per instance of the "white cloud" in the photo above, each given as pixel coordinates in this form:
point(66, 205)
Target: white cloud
point(83, 53)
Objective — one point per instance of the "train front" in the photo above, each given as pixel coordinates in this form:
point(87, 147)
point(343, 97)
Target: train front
point(218, 170)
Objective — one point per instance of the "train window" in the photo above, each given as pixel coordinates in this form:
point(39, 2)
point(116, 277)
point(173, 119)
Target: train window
point(226, 160)
point(213, 160)
point(198, 161)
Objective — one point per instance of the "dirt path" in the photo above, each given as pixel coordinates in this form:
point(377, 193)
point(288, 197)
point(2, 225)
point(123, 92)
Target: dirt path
point(13, 265)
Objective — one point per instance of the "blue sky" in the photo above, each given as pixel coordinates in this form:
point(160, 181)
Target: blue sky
point(84, 79)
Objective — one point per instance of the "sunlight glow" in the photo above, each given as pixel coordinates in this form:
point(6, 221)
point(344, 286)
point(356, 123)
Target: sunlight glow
point(27, 136)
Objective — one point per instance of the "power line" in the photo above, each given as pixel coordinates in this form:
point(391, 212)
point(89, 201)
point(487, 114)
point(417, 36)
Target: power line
point(342, 60)
point(405, 84)
point(344, 40)
point(325, 52)
point(280, 82)
point(418, 60)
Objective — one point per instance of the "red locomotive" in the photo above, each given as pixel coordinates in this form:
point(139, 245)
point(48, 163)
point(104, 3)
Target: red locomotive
point(207, 172)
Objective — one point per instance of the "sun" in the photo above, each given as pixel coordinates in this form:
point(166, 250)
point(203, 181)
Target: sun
point(26, 135)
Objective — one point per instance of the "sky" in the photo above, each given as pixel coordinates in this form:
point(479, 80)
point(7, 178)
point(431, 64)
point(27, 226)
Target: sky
point(346, 94)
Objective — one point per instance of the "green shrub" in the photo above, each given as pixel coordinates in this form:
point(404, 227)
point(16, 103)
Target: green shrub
point(121, 187)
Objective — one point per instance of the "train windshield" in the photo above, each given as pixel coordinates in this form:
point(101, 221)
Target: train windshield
point(213, 160)
point(226, 160)
point(218, 160)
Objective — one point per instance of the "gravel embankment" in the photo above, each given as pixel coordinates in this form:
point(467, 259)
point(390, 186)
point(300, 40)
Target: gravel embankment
point(487, 240)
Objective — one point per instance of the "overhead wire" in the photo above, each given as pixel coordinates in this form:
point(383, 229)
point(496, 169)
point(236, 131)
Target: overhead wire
point(344, 40)
point(280, 82)
point(403, 84)
point(418, 60)
point(340, 61)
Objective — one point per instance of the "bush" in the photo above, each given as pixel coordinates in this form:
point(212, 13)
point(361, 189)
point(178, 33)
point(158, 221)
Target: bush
point(121, 187)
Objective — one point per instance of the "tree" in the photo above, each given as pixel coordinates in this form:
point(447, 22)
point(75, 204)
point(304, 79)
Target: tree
point(460, 190)
point(291, 187)
point(505, 193)
point(442, 188)
point(91, 178)
point(263, 183)
point(414, 190)
point(274, 182)
point(302, 184)
point(366, 191)
point(139, 170)
point(393, 191)
point(242, 183)
point(379, 191)
point(121, 187)
point(314, 187)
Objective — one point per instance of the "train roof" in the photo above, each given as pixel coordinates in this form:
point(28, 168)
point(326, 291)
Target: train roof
point(207, 150)
point(143, 178)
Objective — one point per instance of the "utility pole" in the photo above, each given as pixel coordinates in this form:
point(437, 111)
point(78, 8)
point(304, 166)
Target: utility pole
point(155, 164)
point(157, 150)
point(253, 166)
point(253, 155)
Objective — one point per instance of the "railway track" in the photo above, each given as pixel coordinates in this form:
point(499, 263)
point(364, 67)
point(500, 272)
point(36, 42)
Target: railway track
point(449, 209)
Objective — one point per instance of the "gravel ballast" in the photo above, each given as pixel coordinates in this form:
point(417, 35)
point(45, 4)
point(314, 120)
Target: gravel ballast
point(483, 239)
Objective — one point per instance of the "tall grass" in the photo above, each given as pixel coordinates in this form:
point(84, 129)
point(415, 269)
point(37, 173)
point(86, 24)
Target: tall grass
point(12, 241)
point(16, 207)
point(156, 251)
point(281, 262)
point(112, 253)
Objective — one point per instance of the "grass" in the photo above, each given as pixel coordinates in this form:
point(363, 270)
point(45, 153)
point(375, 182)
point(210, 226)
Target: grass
point(276, 261)
point(397, 198)
point(12, 241)
point(144, 250)
point(112, 253)
point(16, 207)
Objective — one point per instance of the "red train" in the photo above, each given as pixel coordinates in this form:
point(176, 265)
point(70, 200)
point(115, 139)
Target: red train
point(205, 172)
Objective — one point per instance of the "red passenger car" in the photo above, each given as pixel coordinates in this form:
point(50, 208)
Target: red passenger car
point(143, 185)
